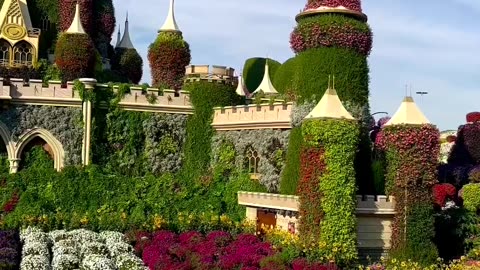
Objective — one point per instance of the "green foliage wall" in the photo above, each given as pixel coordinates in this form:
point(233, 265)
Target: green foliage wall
point(204, 96)
point(291, 173)
point(128, 63)
point(75, 56)
point(283, 78)
point(254, 69)
point(339, 139)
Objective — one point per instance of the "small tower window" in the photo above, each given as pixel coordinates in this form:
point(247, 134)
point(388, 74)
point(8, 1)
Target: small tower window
point(252, 160)
point(23, 55)
point(45, 22)
point(4, 53)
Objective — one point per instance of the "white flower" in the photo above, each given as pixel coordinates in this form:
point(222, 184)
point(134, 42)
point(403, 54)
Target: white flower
point(58, 235)
point(97, 262)
point(63, 247)
point(65, 262)
point(112, 237)
point(82, 236)
point(129, 261)
point(25, 232)
point(35, 262)
point(449, 205)
point(119, 248)
point(35, 248)
point(93, 248)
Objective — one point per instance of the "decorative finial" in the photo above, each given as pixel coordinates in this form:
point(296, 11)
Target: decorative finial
point(170, 24)
point(328, 87)
point(76, 26)
point(334, 82)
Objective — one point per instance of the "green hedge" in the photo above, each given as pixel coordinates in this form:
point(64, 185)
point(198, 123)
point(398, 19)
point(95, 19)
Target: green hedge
point(339, 139)
point(471, 198)
point(283, 79)
point(313, 67)
point(291, 172)
point(204, 96)
point(75, 56)
point(253, 71)
point(128, 63)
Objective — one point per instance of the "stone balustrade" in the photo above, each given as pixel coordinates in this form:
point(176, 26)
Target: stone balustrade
point(275, 116)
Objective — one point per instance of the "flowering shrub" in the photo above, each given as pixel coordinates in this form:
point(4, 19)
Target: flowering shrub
point(474, 174)
point(331, 31)
point(473, 117)
point(77, 249)
point(312, 166)
point(129, 64)
point(9, 250)
point(471, 137)
point(168, 55)
point(471, 200)
point(412, 156)
point(104, 17)
point(75, 56)
point(354, 5)
point(66, 9)
point(10, 205)
point(442, 192)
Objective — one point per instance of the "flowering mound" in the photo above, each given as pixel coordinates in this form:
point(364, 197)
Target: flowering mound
point(331, 31)
point(354, 5)
point(442, 193)
point(129, 64)
point(9, 250)
point(471, 135)
point(168, 55)
point(75, 56)
point(62, 250)
point(473, 117)
point(215, 250)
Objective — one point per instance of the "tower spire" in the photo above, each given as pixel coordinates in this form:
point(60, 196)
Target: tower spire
point(119, 37)
point(76, 26)
point(126, 42)
point(266, 85)
point(170, 24)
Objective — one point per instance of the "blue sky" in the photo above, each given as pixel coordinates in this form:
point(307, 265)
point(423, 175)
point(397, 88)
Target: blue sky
point(432, 45)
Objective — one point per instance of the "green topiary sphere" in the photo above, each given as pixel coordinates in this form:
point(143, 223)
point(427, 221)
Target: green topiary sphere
point(75, 56)
point(283, 79)
point(168, 55)
point(128, 63)
point(253, 71)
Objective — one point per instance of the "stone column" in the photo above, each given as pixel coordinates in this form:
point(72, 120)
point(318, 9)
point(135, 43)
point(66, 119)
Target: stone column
point(14, 164)
point(87, 120)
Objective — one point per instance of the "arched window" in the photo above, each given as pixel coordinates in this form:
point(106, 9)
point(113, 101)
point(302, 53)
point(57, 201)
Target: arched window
point(23, 54)
point(45, 22)
point(252, 160)
point(5, 51)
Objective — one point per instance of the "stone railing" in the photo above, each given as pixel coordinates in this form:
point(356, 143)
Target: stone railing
point(34, 92)
point(210, 73)
point(276, 116)
point(374, 216)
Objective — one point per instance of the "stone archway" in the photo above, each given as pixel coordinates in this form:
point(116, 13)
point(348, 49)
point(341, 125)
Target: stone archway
point(6, 138)
point(54, 148)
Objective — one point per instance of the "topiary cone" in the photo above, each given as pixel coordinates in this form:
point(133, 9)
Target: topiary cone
point(66, 10)
point(129, 64)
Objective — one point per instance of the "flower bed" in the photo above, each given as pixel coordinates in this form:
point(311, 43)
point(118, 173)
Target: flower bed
point(216, 250)
point(87, 250)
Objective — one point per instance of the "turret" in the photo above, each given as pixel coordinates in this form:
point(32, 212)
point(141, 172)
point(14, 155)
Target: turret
point(169, 54)
point(266, 85)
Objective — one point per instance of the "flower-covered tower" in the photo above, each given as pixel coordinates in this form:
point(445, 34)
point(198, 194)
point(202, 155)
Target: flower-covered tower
point(169, 54)
point(75, 52)
point(411, 145)
point(127, 61)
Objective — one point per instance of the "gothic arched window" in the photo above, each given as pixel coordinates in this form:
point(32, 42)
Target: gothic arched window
point(23, 54)
point(45, 23)
point(5, 51)
point(252, 160)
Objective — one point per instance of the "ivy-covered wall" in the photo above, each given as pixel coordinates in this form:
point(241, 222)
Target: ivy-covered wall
point(269, 144)
point(64, 123)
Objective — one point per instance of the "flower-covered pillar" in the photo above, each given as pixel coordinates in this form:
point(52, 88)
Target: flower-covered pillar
point(327, 183)
point(411, 145)
point(169, 54)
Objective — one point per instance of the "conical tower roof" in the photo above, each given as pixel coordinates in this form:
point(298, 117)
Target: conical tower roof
point(76, 26)
point(408, 113)
point(329, 107)
point(241, 89)
point(266, 85)
point(170, 23)
point(126, 42)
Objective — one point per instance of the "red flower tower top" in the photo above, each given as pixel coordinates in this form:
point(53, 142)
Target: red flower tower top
point(169, 54)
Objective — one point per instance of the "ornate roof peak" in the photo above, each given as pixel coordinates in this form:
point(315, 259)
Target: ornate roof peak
point(126, 42)
point(170, 24)
point(76, 27)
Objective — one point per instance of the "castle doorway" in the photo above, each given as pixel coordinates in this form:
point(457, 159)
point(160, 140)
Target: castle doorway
point(37, 153)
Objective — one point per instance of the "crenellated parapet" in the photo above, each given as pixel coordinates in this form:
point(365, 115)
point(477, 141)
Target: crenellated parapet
point(34, 92)
point(274, 116)
point(220, 74)
point(379, 204)
point(154, 100)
